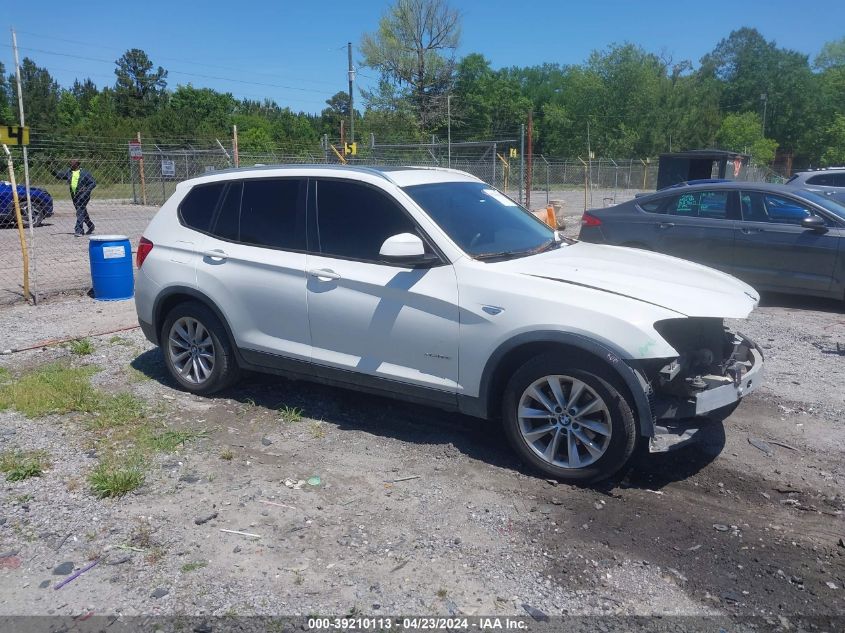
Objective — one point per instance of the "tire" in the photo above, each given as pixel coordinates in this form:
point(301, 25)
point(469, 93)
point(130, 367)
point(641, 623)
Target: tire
point(192, 328)
point(583, 454)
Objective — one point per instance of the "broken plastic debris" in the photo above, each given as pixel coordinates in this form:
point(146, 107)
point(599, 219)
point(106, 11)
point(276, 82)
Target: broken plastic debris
point(294, 485)
point(314, 481)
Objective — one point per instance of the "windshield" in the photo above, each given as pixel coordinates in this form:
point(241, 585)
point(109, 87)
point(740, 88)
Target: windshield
point(826, 202)
point(484, 222)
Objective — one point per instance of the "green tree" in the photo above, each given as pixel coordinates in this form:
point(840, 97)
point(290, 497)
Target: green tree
point(40, 95)
point(834, 152)
point(139, 89)
point(757, 76)
point(743, 133)
point(414, 52)
point(831, 55)
point(6, 95)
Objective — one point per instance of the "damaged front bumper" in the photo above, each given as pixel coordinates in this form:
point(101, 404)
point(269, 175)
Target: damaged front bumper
point(679, 416)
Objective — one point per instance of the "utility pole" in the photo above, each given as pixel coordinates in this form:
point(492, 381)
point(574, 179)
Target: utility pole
point(34, 291)
point(765, 99)
point(521, 160)
point(351, 74)
point(449, 128)
point(589, 162)
point(530, 156)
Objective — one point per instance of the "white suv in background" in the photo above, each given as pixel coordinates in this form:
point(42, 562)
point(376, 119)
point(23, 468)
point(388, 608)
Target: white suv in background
point(431, 286)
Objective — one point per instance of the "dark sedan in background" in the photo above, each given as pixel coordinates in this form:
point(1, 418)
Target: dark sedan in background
point(773, 237)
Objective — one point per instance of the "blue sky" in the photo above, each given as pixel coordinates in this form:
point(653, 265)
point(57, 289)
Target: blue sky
point(295, 52)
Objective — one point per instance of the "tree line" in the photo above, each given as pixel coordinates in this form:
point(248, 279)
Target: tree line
point(747, 94)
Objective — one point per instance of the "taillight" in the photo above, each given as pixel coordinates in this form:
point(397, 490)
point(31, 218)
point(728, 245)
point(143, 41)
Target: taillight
point(144, 248)
point(589, 220)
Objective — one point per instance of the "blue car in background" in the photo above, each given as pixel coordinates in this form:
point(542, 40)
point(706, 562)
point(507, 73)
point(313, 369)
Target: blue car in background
point(42, 204)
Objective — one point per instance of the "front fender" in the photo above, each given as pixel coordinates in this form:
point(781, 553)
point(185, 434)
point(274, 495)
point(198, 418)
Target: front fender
point(633, 379)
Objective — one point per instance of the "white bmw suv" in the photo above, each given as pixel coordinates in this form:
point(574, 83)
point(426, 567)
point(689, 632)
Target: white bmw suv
point(432, 286)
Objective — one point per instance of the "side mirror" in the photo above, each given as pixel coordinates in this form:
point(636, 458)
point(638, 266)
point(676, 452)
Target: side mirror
point(406, 248)
point(814, 223)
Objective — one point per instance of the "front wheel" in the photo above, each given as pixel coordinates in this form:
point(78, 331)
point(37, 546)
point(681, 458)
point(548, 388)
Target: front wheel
point(197, 350)
point(569, 420)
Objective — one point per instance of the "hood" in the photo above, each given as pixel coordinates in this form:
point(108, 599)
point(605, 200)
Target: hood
point(675, 284)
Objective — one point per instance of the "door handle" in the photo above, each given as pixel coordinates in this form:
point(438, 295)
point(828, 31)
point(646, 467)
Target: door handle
point(324, 274)
point(665, 225)
point(216, 254)
point(748, 231)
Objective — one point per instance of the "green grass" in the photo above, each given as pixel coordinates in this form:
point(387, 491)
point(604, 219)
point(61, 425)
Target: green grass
point(53, 388)
point(318, 430)
point(290, 414)
point(111, 480)
point(227, 455)
point(167, 441)
point(5, 374)
point(20, 465)
point(116, 410)
point(81, 347)
point(188, 567)
point(119, 340)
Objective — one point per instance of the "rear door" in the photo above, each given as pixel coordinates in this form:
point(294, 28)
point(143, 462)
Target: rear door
point(697, 225)
point(773, 250)
point(252, 265)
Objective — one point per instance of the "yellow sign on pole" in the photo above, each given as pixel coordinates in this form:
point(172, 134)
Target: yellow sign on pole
point(513, 153)
point(14, 135)
point(350, 148)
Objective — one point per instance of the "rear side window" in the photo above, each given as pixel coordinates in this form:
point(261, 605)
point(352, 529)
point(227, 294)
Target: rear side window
point(700, 204)
point(271, 214)
point(226, 223)
point(196, 211)
point(839, 180)
point(354, 220)
point(823, 180)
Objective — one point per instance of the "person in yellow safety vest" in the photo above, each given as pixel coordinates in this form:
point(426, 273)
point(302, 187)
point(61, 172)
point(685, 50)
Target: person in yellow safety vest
point(81, 184)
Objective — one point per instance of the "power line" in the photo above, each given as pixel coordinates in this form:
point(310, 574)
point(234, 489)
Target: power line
point(175, 72)
point(184, 61)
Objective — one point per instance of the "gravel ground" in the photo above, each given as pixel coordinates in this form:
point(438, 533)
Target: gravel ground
point(419, 511)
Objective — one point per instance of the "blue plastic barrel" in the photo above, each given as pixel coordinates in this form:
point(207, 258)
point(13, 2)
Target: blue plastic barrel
point(111, 267)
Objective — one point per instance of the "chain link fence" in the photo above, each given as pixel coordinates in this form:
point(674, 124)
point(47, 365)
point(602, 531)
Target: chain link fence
point(130, 189)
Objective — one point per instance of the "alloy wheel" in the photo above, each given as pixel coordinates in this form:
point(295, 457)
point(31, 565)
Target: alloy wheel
point(564, 421)
point(191, 350)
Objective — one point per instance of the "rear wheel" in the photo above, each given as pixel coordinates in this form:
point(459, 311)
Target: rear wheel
point(569, 420)
point(197, 350)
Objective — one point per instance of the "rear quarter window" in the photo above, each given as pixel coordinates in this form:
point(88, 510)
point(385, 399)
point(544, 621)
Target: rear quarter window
point(196, 210)
point(653, 206)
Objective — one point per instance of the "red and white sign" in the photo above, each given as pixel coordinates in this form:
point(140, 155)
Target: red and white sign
point(135, 152)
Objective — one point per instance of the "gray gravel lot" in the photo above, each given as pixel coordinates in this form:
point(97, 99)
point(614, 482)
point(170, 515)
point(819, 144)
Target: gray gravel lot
point(419, 511)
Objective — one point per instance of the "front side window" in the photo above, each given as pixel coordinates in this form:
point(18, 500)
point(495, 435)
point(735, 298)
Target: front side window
point(271, 214)
point(482, 221)
point(767, 207)
point(354, 220)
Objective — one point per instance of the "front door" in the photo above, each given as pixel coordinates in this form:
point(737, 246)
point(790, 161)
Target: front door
point(773, 250)
point(368, 316)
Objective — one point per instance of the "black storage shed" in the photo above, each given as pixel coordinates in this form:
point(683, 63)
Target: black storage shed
point(698, 164)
